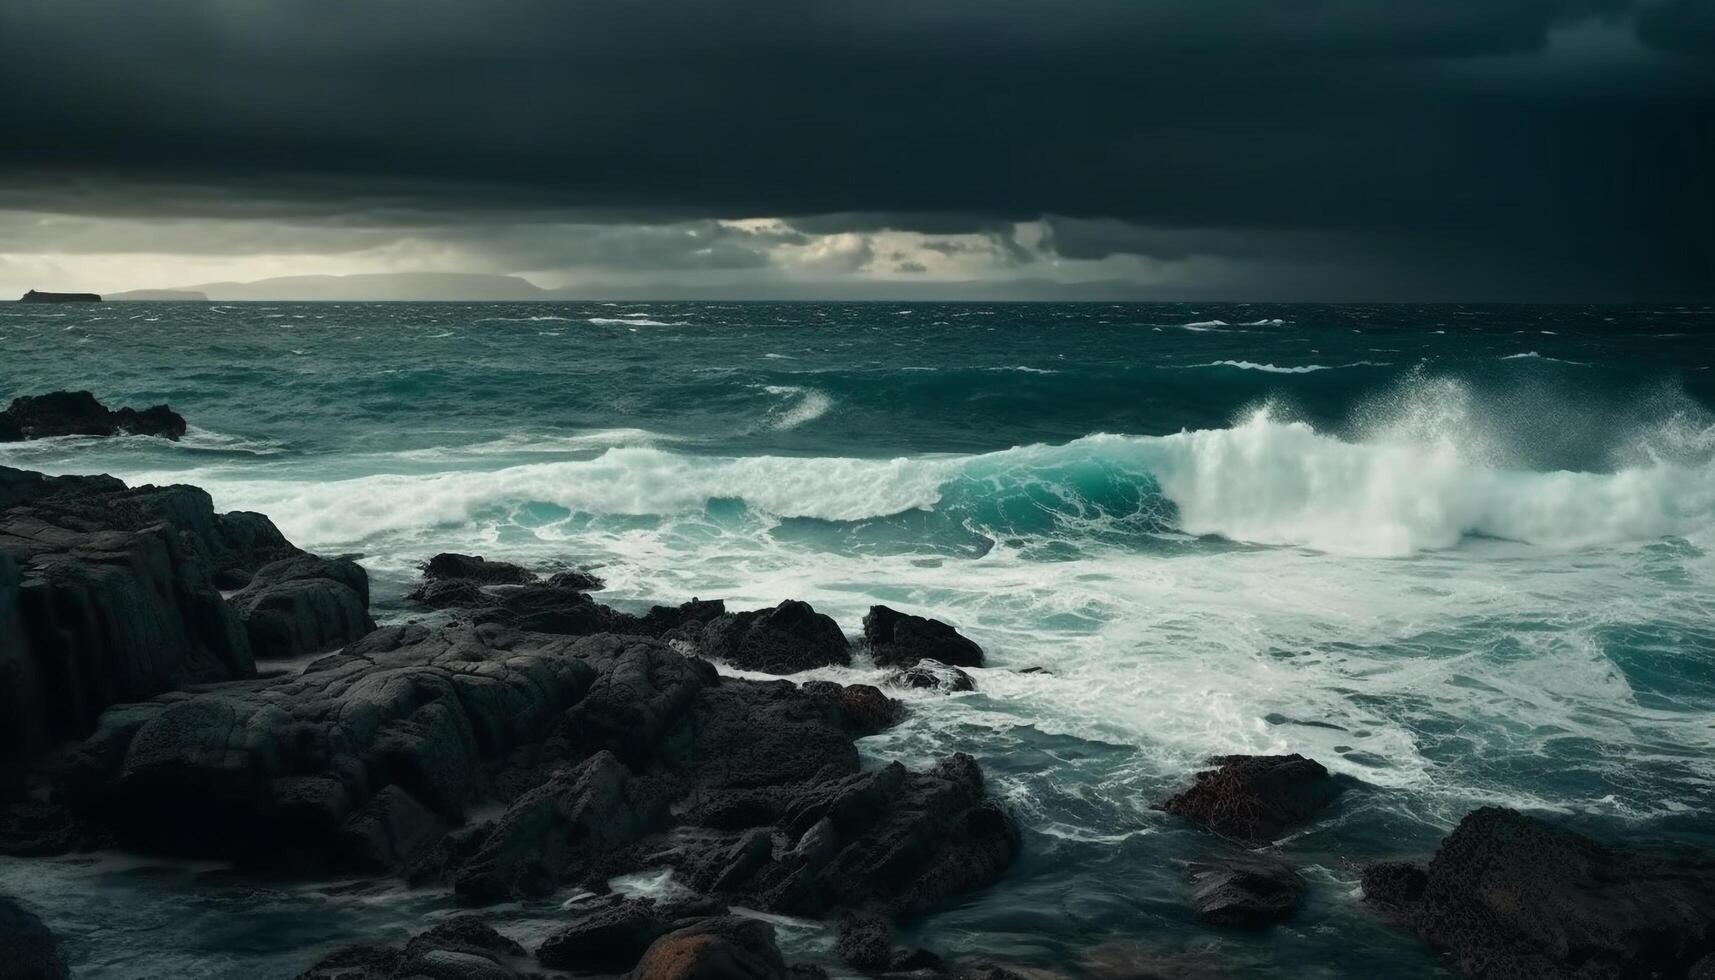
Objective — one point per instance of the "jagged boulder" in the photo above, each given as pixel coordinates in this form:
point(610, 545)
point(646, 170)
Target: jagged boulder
point(786, 639)
point(111, 594)
point(890, 840)
point(474, 568)
point(1254, 798)
point(897, 639)
point(77, 413)
point(1513, 896)
point(304, 604)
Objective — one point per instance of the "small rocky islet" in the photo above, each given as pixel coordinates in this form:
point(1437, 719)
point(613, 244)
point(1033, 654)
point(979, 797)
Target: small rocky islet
point(182, 682)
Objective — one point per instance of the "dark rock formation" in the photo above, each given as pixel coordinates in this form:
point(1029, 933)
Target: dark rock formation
point(561, 831)
point(304, 604)
point(1513, 896)
point(1254, 798)
point(865, 943)
point(712, 947)
point(28, 951)
point(559, 605)
point(105, 596)
point(609, 936)
point(610, 754)
point(577, 580)
point(725, 948)
point(37, 296)
point(890, 840)
point(927, 675)
point(787, 639)
point(474, 568)
point(896, 639)
point(1246, 892)
point(77, 413)
point(461, 948)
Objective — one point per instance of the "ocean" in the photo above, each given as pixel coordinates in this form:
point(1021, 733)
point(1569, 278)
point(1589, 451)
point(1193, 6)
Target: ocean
point(1459, 554)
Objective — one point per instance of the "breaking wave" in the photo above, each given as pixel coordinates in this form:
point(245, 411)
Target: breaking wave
point(1263, 481)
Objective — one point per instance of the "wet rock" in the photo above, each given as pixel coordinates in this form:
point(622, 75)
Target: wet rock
point(77, 413)
point(897, 639)
point(786, 639)
point(559, 605)
point(456, 593)
point(1514, 896)
point(461, 948)
point(391, 831)
point(304, 605)
point(1246, 892)
point(928, 675)
point(865, 943)
point(1393, 884)
point(28, 951)
point(608, 754)
point(560, 831)
point(474, 568)
point(860, 708)
point(726, 948)
point(269, 769)
point(577, 580)
point(890, 841)
point(108, 594)
point(609, 937)
point(1254, 798)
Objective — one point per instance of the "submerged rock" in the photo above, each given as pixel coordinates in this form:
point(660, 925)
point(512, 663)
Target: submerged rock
point(28, 951)
point(1254, 798)
point(461, 948)
point(1514, 896)
point(1246, 892)
point(928, 675)
point(77, 413)
point(897, 639)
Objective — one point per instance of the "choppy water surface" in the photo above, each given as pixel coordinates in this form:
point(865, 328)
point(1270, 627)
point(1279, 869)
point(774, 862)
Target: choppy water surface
point(1458, 553)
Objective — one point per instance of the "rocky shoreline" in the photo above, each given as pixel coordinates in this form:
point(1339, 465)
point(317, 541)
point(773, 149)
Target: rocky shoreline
point(181, 682)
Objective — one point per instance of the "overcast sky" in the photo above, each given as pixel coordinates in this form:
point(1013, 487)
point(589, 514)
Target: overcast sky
point(1207, 149)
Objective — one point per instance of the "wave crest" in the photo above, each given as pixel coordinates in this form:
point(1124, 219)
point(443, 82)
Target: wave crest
point(1263, 481)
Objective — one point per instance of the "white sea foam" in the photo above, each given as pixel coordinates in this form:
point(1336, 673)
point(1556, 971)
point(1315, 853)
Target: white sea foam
point(1262, 481)
point(1296, 369)
point(808, 405)
point(629, 321)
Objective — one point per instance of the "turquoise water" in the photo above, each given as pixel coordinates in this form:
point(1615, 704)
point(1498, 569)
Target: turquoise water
point(1461, 554)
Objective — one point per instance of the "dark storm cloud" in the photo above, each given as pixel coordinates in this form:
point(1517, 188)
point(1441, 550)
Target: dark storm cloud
point(1536, 146)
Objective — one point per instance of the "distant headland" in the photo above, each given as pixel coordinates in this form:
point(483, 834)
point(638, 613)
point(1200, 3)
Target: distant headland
point(36, 296)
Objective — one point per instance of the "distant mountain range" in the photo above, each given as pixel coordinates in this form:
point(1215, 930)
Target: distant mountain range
point(461, 286)
point(421, 286)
